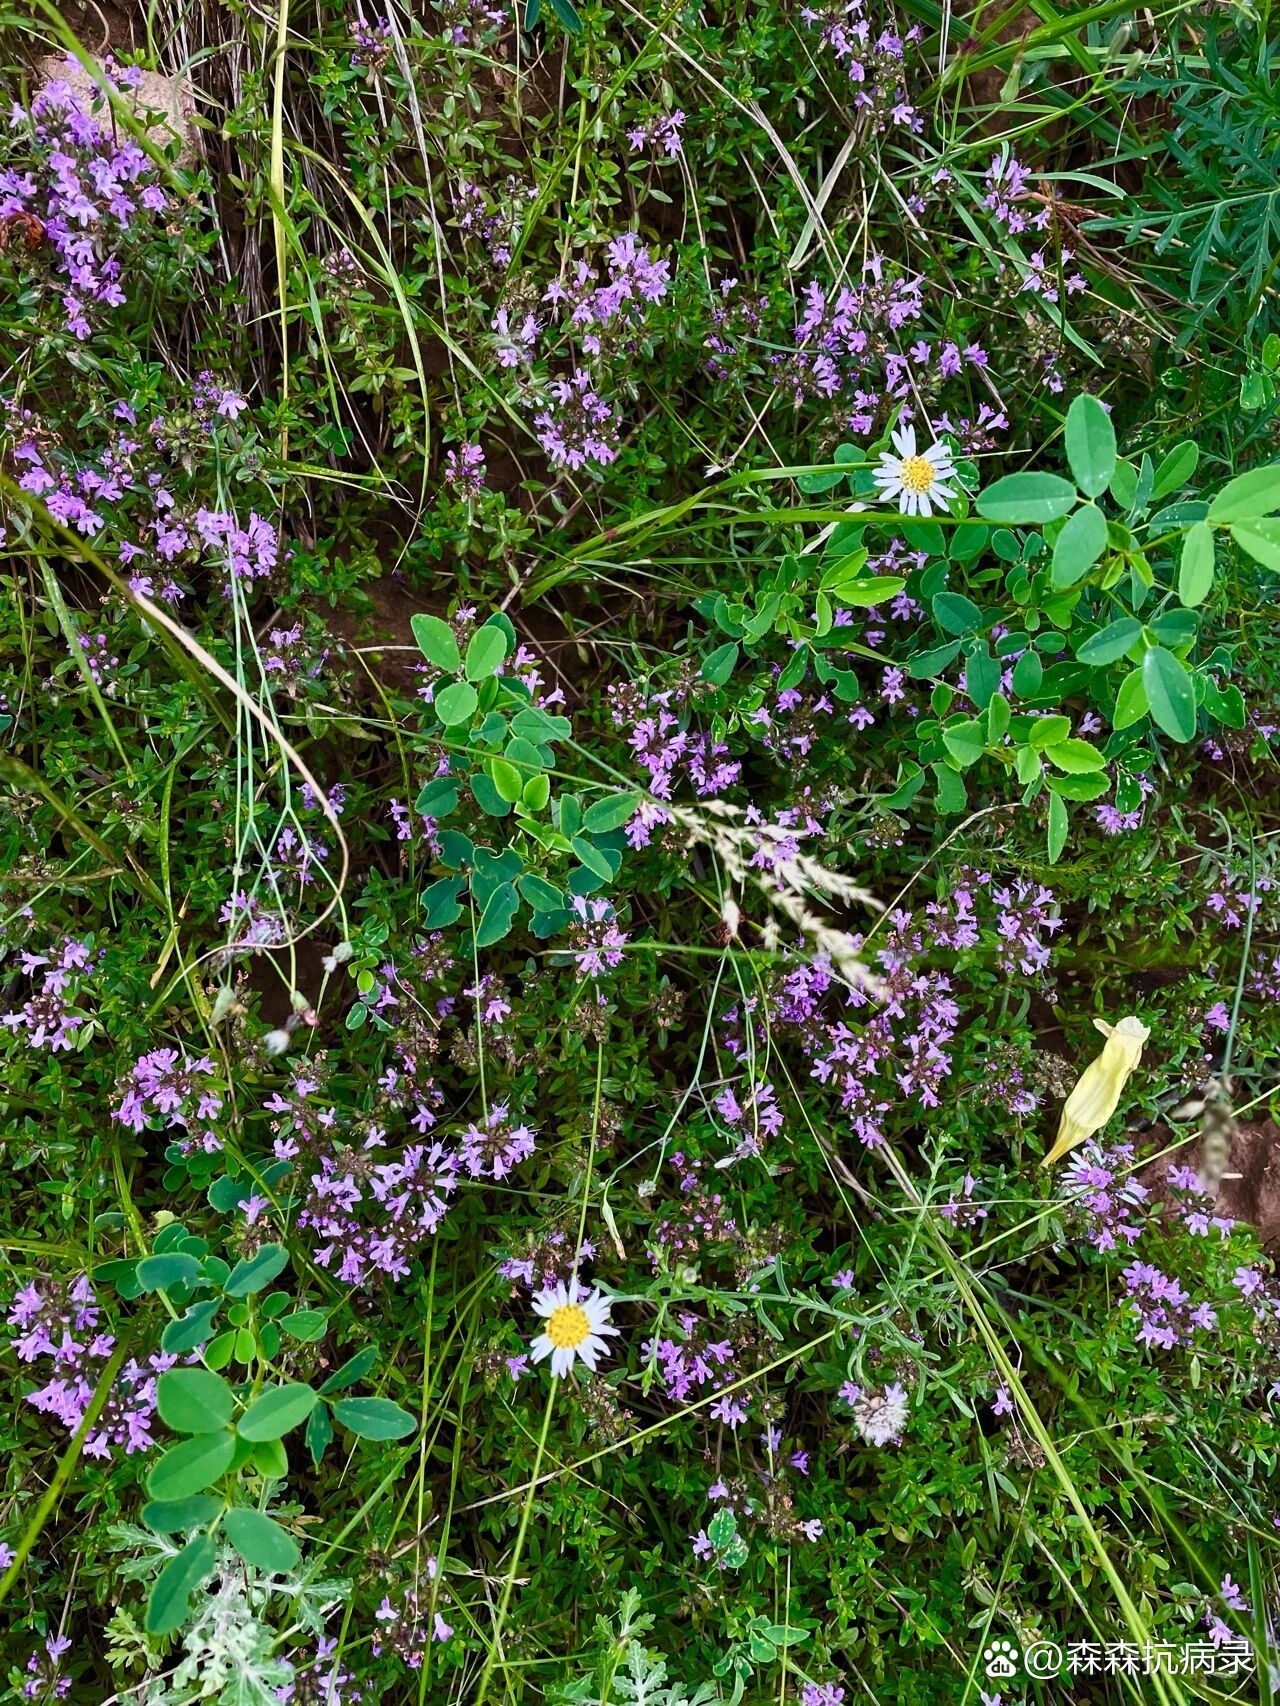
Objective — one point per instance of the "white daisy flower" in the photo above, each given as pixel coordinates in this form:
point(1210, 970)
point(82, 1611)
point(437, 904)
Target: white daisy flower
point(917, 479)
point(577, 1326)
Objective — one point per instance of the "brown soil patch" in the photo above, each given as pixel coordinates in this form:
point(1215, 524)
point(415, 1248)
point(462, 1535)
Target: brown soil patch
point(1250, 1189)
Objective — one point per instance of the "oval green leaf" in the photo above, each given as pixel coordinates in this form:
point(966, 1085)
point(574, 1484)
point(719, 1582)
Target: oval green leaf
point(1079, 545)
point(277, 1410)
point(1027, 499)
point(168, 1600)
point(194, 1401)
point(373, 1418)
point(1171, 693)
point(1091, 445)
point(436, 643)
point(1195, 571)
point(257, 1270)
point(260, 1541)
point(191, 1467)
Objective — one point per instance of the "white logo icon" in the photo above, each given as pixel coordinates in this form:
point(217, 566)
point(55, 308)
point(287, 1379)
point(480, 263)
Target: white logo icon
point(1000, 1659)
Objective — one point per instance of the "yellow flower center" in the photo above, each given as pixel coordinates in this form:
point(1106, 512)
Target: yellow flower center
point(917, 473)
point(568, 1327)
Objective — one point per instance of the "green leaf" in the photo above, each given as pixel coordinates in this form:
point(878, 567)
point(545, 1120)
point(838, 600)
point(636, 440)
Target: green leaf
point(1248, 496)
point(1261, 539)
point(350, 1372)
point(610, 813)
point(1079, 545)
point(1048, 731)
point(191, 1467)
point(305, 1324)
point(1028, 673)
point(1171, 693)
point(270, 1459)
point(257, 1270)
point(176, 1516)
point(158, 1273)
point(260, 1541)
point(1090, 786)
point(1091, 445)
point(718, 666)
point(437, 798)
point(567, 16)
point(498, 916)
point(536, 793)
point(488, 798)
point(538, 893)
point(1176, 469)
point(965, 742)
point(1077, 757)
point(507, 779)
point(1056, 838)
point(862, 594)
point(436, 643)
point(456, 704)
point(925, 664)
point(1131, 701)
point(1029, 499)
point(485, 651)
point(981, 676)
point(592, 858)
point(1110, 643)
point(722, 1528)
point(373, 1418)
point(319, 1434)
point(440, 903)
point(956, 614)
point(1195, 572)
point(194, 1401)
point(191, 1329)
point(949, 796)
point(168, 1600)
point(276, 1411)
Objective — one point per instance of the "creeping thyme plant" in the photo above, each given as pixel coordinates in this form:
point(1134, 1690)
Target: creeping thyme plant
point(625, 629)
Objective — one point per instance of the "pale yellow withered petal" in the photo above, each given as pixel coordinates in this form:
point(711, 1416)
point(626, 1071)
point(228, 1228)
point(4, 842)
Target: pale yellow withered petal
point(1097, 1090)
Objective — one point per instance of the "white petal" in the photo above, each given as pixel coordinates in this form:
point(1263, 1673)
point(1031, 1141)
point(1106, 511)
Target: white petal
point(905, 440)
point(925, 507)
point(541, 1347)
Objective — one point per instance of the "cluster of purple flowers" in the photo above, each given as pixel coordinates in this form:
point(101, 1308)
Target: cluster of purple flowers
point(693, 1364)
point(576, 426)
point(319, 1678)
point(873, 60)
point(403, 1627)
point(83, 187)
point(594, 937)
point(464, 470)
point(851, 348)
point(369, 1216)
point(549, 1261)
point(1099, 1187)
point(1008, 187)
point(1163, 1308)
point(662, 134)
point(699, 1221)
point(60, 1323)
point(668, 750)
point(601, 316)
point(370, 44)
point(45, 1680)
point(120, 496)
point(490, 1149)
point(48, 1017)
point(173, 1090)
point(470, 23)
point(495, 223)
